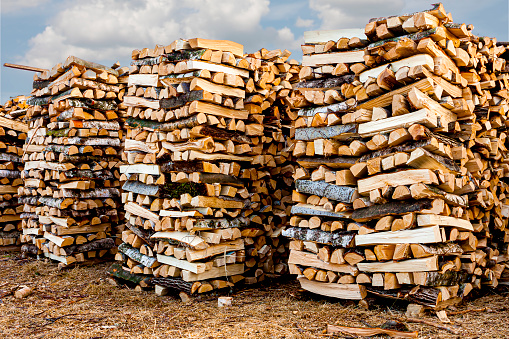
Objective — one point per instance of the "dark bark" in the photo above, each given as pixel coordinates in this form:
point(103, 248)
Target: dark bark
point(326, 83)
point(29, 249)
point(219, 134)
point(173, 283)
point(339, 162)
point(343, 239)
point(182, 166)
point(88, 174)
point(116, 270)
point(142, 233)
point(39, 101)
point(101, 244)
point(392, 208)
point(181, 100)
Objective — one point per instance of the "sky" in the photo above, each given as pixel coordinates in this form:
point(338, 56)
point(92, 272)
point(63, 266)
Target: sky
point(42, 33)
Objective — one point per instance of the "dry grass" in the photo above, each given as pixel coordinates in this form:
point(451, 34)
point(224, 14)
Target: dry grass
point(80, 303)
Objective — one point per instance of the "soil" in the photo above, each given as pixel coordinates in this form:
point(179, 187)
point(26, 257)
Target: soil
point(83, 302)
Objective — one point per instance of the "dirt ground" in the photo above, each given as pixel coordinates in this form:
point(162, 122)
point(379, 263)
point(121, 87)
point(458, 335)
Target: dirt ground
point(81, 303)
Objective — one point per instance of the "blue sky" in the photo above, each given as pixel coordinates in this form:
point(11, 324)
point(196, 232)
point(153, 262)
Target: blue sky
point(42, 33)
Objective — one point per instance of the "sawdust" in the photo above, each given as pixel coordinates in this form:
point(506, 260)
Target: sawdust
point(81, 303)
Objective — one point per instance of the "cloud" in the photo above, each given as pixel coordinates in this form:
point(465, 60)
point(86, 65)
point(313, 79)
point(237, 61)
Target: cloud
point(337, 14)
point(304, 23)
point(101, 30)
point(8, 6)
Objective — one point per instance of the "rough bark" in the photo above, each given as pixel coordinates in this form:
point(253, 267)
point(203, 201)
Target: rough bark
point(101, 244)
point(239, 222)
point(339, 162)
point(136, 255)
point(342, 106)
point(190, 122)
point(96, 193)
point(219, 134)
point(181, 100)
point(142, 233)
point(343, 239)
point(182, 166)
point(321, 188)
point(392, 208)
point(327, 83)
point(173, 283)
point(117, 271)
point(10, 174)
point(113, 142)
point(341, 132)
point(29, 249)
point(87, 174)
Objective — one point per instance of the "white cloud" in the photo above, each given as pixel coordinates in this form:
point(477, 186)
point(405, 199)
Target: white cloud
point(304, 22)
point(337, 14)
point(108, 30)
point(8, 6)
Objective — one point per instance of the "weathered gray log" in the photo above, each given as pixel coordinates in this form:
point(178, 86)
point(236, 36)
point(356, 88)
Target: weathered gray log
point(142, 233)
point(10, 234)
point(32, 216)
point(321, 188)
point(107, 125)
point(185, 54)
point(87, 174)
point(91, 194)
point(341, 132)
point(342, 106)
point(100, 244)
point(113, 142)
point(9, 157)
point(238, 222)
point(343, 239)
point(10, 203)
point(181, 100)
point(174, 283)
point(326, 83)
point(219, 134)
point(304, 209)
point(149, 61)
point(392, 208)
point(102, 105)
point(339, 162)
point(29, 249)
point(141, 188)
point(39, 101)
point(117, 271)
point(66, 115)
point(136, 255)
point(10, 174)
point(166, 126)
point(38, 84)
point(52, 202)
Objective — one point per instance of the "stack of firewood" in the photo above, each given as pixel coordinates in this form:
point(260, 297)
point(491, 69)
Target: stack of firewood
point(13, 132)
point(205, 194)
point(71, 191)
point(401, 145)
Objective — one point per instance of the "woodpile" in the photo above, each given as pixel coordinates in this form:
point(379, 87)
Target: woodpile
point(208, 176)
point(401, 142)
point(13, 132)
point(71, 179)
